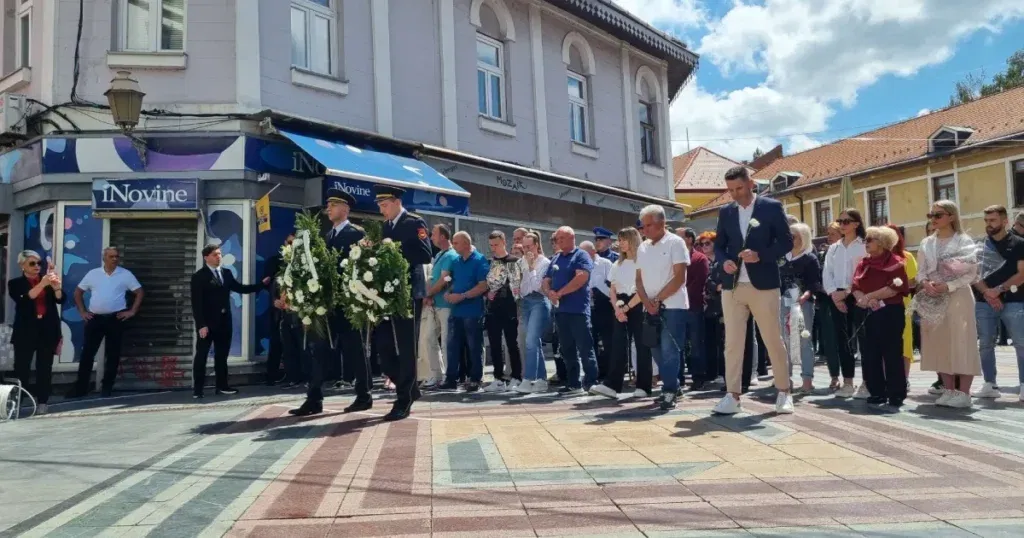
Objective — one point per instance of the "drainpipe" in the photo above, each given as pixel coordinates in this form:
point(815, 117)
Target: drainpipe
point(801, 198)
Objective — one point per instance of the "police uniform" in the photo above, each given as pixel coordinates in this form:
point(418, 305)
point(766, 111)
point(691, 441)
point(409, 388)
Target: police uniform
point(348, 342)
point(605, 233)
point(399, 361)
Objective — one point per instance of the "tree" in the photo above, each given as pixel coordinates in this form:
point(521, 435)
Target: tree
point(974, 86)
point(757, 154)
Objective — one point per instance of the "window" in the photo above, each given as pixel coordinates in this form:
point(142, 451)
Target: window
point(490, 77)
point(823, 213)
point(1017, 173)
point(23, 31)
point(314, 24)
point(944, 188)
point(578, 124)
point(153, 25)
point(878, 208)
point(648, 134)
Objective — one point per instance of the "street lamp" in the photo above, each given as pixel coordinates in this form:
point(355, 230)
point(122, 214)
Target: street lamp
point(125, 99)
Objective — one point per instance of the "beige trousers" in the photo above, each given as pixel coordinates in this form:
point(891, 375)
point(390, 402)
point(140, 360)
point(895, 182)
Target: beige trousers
point(430, 359)
point(737, 306)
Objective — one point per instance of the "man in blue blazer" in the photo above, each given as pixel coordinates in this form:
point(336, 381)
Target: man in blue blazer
point(752, 236)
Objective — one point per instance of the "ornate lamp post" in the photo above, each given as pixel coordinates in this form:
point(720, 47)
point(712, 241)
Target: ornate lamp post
point(125, 99)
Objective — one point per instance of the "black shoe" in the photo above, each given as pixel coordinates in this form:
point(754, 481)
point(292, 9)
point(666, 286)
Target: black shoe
point(106, 393)
point(359, 405)
point(698, 386)
point(877, 400)
point(396, 414)
point(307, 408)
point(447, 386)
point(668, 401)
point(197, 396)
point(896, 404)
point(472, 387)
point(227, 391)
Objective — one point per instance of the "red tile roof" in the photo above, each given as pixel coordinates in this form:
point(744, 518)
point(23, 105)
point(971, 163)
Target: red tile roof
point(700, 169)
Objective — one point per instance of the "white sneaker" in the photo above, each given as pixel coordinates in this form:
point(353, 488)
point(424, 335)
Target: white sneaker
point(754, 382)
point(641, 393)
point(496, 386)
point(862, 393)
point(960, 400)
point(601, 390)
point(539, 386)
point(943, 400)
point(846, 391)
point(719, 380)
point(728, 406)
point(784, 403)
point(512, 385)
point(988, 390)
point(526, 387)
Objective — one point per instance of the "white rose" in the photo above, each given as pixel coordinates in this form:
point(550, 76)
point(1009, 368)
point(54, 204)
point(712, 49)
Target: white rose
point(372, 262)
point(805, 334)
point(355, 253)
point(754, 223)
point(897, 282)
point(307, 321)
point(320, 310)
point(368, 276)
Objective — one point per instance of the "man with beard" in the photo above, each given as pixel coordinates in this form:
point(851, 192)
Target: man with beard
point(997, 297)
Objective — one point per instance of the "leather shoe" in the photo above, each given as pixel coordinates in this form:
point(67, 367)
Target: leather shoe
point(396, 414)
point(307, 408)
point(359, 405)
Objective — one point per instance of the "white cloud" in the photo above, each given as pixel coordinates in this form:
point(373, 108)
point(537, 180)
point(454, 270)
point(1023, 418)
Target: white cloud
point(923, 112)
point(666, 14)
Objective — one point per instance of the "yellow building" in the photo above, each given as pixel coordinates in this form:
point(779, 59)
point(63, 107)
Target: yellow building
point(972, 154)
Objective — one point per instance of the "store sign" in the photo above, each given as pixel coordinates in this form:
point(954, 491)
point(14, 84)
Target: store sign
point(145, 194)
point(413, 200)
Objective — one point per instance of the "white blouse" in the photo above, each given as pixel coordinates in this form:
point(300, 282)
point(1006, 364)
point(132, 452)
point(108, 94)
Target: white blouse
point(928, 260)
point(840, 262)
point(623, 276)
point(532, 279)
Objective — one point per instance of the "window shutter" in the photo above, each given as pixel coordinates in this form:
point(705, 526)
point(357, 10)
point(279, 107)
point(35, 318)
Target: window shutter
point(172, 25)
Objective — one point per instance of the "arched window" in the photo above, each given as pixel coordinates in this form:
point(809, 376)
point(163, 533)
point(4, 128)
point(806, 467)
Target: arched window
point(648, 93)
point(495, 28)
point(580, 67)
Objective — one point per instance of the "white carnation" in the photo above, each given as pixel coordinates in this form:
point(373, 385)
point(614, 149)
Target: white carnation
point(897, 282)
point(368, 276)
point(307, 321)
point(372, 262)
point(320, 310)
point(355, 253)
point(754, 223)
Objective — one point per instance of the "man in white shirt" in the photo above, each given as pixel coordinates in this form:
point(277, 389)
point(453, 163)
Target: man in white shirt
point(104, 318)
point(602, 314)
point(661, 284)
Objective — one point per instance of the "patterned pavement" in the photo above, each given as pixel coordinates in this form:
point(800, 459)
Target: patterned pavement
point(501, 465)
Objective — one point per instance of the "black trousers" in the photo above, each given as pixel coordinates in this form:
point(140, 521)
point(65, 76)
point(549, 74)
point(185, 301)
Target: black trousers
point(714, 348)
point(845, 327)
point(42, 349)
point(397, 352)
point(220, 339)
point(355, 364)
point(622, 335)
point(101, 328)
point(602, 325)
point(762, 352)
point(749, 356)
point(882, 354)
point(502, 322)
point(294, 353)
point(276, 351)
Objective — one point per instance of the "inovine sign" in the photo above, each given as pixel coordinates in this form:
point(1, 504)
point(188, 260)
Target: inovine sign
point(145, 194)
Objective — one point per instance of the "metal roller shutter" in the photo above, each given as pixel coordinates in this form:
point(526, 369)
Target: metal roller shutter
point(162, 255)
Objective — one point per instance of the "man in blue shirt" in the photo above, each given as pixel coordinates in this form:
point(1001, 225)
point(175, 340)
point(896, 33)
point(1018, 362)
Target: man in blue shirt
point(567, 286)
point(465, 328)
point(434, 321)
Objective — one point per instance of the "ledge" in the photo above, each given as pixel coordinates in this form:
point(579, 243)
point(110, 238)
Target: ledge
point(316, 81)
point(147, 60)
point(497, 127)
point(585, 150)
point(16, 80)
point(653, 170)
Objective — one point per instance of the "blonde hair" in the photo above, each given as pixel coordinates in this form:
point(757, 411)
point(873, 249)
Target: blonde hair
point(802, 231)
point(536, 240)
point(27, 255)
point(949, 206)
point(630, 237)
point(886, 236)
point(833, 226)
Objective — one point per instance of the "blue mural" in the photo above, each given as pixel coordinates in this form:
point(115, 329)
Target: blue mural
point(82, 251)
point(39, 232)
point(163, 154)
point(268, 244)
point(224, 228)
point(20, 163)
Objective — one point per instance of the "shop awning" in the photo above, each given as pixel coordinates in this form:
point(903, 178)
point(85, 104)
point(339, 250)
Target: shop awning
point(357, 168)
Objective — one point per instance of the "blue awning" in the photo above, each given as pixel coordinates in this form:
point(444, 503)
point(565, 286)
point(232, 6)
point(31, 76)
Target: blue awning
point(364, 164)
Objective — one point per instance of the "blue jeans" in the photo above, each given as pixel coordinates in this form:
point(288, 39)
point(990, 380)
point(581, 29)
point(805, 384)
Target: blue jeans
point(1012, 315)
point(695, 360)
point(577, 344)
point(673, 334)
point(534, 319)
point(465, 332)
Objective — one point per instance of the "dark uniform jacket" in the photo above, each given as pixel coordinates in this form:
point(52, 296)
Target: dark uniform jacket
point(211, 300)
point(411, 231)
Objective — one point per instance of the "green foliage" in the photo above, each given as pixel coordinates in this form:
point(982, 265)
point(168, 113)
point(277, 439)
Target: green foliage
point(375, 281)
point(973, 86)
point(309, 279)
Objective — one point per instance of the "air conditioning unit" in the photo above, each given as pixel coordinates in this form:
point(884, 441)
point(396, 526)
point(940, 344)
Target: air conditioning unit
point(13, 109)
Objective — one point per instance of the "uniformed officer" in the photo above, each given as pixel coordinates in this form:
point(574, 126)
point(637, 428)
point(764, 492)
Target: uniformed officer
point(348, 343)
point(396, 338)
point(603, 244)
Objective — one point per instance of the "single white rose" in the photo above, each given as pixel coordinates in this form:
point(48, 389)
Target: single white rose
point(368, 276)
point(754, 223)
point(372, 262)
point(1013, 289)
point(897, 282)
point(320, 310)
point(805, 334)
point(355, 253)
point(307, 321)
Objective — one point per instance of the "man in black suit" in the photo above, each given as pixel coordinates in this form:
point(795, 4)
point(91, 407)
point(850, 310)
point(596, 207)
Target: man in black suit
point(211, 309)
point(347, 340)
point(396, 338)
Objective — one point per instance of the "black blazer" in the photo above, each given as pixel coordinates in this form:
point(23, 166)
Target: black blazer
point(27, 328)
point(211, 301)
point(343, 241)
point(412, 232)
point(770, 239)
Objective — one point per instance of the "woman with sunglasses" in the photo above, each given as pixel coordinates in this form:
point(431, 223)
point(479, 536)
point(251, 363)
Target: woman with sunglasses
point(944, 301)
point(36, 331)
point(840, 262)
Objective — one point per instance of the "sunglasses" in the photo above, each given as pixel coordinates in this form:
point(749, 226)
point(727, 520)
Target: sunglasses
point(704, 244)
point(845, 221)
point(31, 263)
point(937, 215)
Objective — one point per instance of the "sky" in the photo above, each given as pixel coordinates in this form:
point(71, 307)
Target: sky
point(802, 73)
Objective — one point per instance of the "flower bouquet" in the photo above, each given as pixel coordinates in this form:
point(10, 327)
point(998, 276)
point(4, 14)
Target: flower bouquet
point(309, 292)
point(959, 260)
point(374, 281)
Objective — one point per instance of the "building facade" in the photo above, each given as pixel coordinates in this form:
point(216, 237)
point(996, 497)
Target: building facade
point(495, 113)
